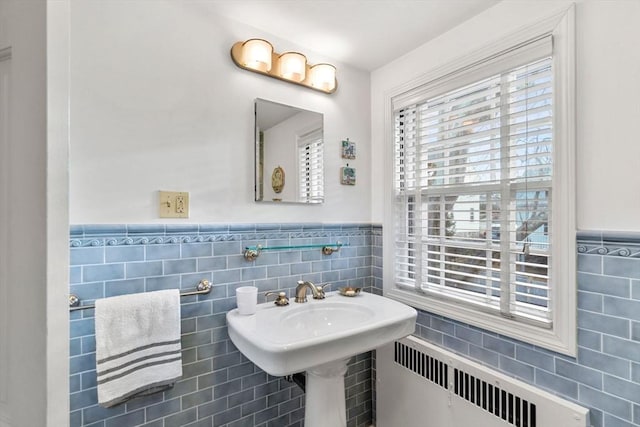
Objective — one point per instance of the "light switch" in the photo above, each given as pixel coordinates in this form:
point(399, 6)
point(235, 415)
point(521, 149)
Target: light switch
point(174, 204)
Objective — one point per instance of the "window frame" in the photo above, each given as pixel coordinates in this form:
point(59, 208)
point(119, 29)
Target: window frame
point(561, 337)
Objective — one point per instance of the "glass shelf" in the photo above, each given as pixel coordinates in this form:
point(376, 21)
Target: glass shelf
point(253, 252)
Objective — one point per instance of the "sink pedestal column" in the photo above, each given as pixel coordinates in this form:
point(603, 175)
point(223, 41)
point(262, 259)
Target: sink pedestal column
point(325, 400)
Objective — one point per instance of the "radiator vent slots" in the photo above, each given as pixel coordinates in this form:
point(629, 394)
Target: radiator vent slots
point(422, 364)
point(489, 397)
point(501, 403)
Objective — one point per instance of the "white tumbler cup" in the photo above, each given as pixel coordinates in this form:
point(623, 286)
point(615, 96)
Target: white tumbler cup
point(247, 299)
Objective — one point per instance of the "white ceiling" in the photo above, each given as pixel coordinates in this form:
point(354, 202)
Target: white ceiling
point(363, 33)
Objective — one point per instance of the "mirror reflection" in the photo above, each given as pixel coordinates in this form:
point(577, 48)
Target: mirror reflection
point(289, 150)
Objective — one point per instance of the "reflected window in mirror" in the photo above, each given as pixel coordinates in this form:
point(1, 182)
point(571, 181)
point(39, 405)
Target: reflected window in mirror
point(289, 140)
point(310, 167)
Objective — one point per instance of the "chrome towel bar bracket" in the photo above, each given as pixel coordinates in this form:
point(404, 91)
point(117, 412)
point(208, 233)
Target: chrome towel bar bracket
point(202, 288)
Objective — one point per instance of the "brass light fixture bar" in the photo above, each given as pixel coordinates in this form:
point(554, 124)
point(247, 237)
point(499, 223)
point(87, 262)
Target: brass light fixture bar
point(257, 55)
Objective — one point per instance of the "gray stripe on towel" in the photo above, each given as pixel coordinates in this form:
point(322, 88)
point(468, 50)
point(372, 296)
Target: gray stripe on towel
point(144, 347)
point(137, 368)
point(140, 359)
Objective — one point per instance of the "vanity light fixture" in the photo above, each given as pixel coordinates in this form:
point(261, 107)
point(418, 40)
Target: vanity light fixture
point(257, 55)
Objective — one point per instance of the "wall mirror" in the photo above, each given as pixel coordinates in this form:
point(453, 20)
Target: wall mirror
point(289, 151)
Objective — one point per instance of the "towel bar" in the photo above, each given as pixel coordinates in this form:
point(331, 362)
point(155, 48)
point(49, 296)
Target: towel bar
point(203, 287)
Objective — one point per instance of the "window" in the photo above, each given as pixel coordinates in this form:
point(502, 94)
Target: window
point(478, 218)
point(310, 167)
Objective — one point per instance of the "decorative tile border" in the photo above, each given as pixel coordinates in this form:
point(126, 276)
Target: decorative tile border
point(128, 235)
point(626, 245)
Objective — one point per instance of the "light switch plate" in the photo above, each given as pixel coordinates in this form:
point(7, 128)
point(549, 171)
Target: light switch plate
point(174, 204)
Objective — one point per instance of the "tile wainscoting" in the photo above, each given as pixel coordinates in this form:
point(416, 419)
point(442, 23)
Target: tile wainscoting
point(605, 376)
point(220, 387)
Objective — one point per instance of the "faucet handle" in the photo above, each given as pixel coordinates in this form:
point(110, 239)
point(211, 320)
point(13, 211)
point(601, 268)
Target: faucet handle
point(320, 289)
point(281, 299)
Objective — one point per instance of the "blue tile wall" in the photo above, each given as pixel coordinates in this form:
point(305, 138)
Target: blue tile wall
point(220, 387)
point(605, 376)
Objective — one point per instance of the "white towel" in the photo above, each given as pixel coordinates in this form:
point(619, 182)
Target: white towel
point(138, 348)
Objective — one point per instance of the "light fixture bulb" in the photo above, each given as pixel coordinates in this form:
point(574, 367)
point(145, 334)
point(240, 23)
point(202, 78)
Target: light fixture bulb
point(323, 77)
point(293, 66)
point(256, 54)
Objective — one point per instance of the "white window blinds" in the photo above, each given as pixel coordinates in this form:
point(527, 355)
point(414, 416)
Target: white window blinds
point(473, 180)
point(310, 167)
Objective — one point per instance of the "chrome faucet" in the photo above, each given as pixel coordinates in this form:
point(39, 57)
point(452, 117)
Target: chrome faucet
point(301, 291)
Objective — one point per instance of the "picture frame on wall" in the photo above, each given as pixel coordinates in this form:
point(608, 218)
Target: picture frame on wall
point(347, 176)
point(348, 149)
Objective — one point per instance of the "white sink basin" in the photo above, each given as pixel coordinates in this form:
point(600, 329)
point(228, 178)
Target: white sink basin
point(297, 337)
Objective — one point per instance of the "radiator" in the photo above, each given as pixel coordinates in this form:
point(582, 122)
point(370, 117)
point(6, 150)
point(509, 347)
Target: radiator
point(421, 385)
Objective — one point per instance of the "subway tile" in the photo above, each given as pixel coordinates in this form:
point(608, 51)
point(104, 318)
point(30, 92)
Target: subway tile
point(612, 421)
point(465, 333)
point(604, 362)
point(602, 323)
point(197, 398)
point(227, 416)
point(622, 348)
point(483, 355)
point(205, 422)
point(590, 263)
point(226, 276)
point(88, 291)
point(184, 386)
point(253, 273)
point(212, 263)
point(179, 266)
point(622, 267)
point(556, 384)
point(581, 374)
point(212, 408)
point(83, 256)
point(635, 289)
point(590, 301)
point(605, 402)
point(301, 268)
point(499, 345)
point(625, 389)
point(455, 344)
point(82, 363)
point(629, 309)
point(535, 358)
point(161, 252)
point(226, 389)
point(614, 286)
point(162, 283)
point(182, 418)
point(210, 350)
point(239, 398)
point(227, 248)
point(96, 273)
point(143, 269)
point(89, 380)
point(124, 253)
point(123, 287)
point(519, 369)
point(196, 309)
point(75, 274)
point(83, 399)
point(96, 413)
point(213, 378)
point(590, 339)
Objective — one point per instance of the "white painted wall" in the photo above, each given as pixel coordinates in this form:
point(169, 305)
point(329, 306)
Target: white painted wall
point(36, 263)
point(608, 66)
point(281, 149)
point(157, 103)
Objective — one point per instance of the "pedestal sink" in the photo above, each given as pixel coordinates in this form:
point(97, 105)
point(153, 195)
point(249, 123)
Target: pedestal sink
point(319, 337)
